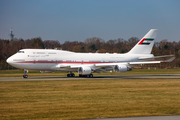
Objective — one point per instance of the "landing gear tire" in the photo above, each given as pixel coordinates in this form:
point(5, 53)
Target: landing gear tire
point(90, 75)
point(70, 75)
point(25, 76)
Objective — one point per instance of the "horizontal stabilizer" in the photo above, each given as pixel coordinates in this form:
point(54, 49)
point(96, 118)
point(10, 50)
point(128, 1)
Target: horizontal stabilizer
point(170, 60)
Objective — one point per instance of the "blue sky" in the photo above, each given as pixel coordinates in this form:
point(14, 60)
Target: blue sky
point(76, 20)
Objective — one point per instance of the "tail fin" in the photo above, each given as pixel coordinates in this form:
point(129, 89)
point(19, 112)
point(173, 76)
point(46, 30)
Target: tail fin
point(144, 46)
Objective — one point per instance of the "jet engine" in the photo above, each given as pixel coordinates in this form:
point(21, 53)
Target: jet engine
point(84, 70)
point(120, 68)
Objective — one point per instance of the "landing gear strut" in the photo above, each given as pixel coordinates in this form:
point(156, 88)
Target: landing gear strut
point(71, 75)
point(90, 75)
point(25, 76)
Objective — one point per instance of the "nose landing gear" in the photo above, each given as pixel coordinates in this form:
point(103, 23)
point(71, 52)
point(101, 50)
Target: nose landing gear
point(25, 76)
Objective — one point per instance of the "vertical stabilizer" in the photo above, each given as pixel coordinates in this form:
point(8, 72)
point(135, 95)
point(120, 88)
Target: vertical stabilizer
point(144, 46)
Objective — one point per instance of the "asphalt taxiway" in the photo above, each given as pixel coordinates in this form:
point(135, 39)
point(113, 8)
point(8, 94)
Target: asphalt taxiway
point(167, 76)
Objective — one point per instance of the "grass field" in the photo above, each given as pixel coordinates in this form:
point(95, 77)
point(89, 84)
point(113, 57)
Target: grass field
point(89, 99)
point(19, 73)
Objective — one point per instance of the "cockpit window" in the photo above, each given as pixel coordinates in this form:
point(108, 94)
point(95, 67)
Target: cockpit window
point(20, 52)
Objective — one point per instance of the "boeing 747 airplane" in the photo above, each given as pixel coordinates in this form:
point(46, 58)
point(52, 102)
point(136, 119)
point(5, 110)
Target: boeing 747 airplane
point(49, 60)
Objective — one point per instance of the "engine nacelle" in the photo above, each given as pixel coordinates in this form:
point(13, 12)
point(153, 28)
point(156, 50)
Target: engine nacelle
point(120, 68)
point(84, 70)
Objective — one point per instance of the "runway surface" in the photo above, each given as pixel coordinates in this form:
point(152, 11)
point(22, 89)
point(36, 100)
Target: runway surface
point(174, 76)
point(176, 117)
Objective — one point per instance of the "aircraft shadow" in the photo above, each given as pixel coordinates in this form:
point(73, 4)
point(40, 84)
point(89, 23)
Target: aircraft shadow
point(114, 77)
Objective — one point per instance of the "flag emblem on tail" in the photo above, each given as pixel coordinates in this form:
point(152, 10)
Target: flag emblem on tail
point(146, 41)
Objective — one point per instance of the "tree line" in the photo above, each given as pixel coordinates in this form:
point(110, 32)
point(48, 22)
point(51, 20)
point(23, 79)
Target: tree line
point(94, 44)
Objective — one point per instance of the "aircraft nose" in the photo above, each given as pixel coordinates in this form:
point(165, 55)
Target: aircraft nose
point(9, 60)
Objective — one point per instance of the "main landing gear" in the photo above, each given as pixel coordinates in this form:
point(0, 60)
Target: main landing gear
point(71, 75)
point(90, 75)
point(80, 75)
point(25, 76)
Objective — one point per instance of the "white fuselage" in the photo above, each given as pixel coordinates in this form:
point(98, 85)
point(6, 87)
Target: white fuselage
point(46, 59)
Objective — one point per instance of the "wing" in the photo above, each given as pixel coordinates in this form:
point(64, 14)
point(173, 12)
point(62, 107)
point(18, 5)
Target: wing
point(100, 66)
point(155, 57)
point(108, 66)
point(126, 63)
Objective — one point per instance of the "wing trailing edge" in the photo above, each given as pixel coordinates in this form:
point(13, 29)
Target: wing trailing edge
point(155, 57)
